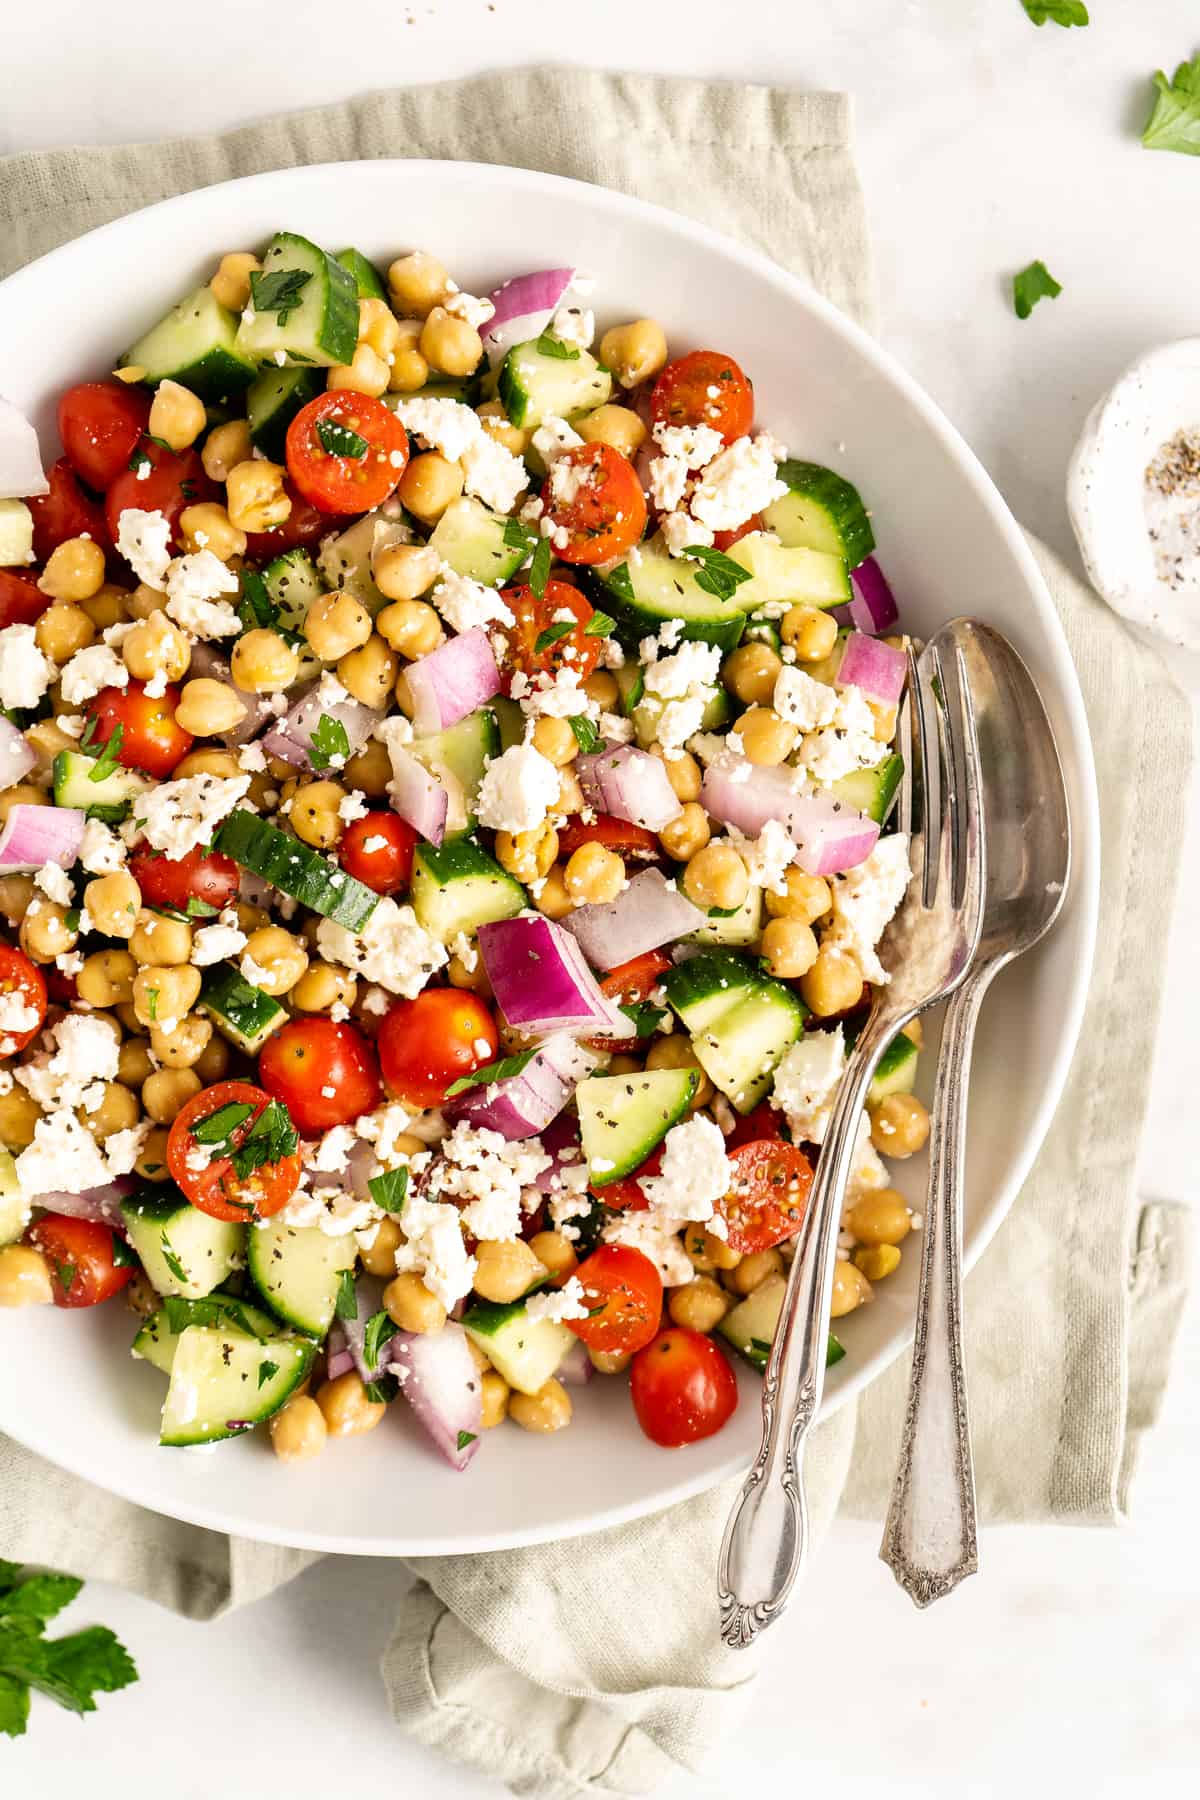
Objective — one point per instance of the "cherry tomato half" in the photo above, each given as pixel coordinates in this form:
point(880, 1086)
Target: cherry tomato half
point(536, 621)
point(22, 986)
point(623, 1293)
point(100, 423)
point(628, 1194)
point(22, 601)
point(769, 1195)
point(378, 851)
point(150, 738)
point(704, 388)
point(67, 511)
point(345, 451)
point(176, 479)
point(208, 1167)
point(325, 1073)
point(682, 1388)
point(82, 1255)
point(427, 1044)
point(163, 882)
point(725, 540)
point(303, 525)
point(605, 513)
point(627, 984)
point(765, 1122)
point(614, 834)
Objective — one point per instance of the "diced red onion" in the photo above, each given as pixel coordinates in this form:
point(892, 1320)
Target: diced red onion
point(207, 660)
point(560, 1140)
point(36, 835)
point(830, 837)
point(576, 1368)
point(291, 739)
point(439, 1379)
point(630, 784)
point(419, 798)
point(873, 667)
point(525, 306)
point(337, 1362)
point(542, 982)
point(16, 756)
point(21, 472)
point(521, 1106)
point(452, 681)
point(873, 608)
point(102, 1205)
point(651, 911)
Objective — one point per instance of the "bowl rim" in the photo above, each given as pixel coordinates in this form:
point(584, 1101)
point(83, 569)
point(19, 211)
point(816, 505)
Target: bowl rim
point(1085, 812)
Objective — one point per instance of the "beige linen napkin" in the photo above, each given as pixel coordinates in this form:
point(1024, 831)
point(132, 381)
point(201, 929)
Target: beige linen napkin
point(565, 1671)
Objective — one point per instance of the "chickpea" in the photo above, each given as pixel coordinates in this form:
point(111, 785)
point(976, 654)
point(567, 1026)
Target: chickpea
point(108, 605)
point(225, 447)
point(207, 526)
point(262, 662)
point(156, 644)
point(378, 326)
point(143, 602)
point(807, 898)
point(106, 978)
point(450, 344)
point(625, 1065)
point(789, 948)
point(321, 986)
point(380, 1256)
point(416, 283)
point(914, 1031)
point(315, 817)
point(19, 1114)
point(879, 1217)
point(876, 1261)
point(750, 673)
point(44, 932)
point(554, 902)
point(46, 739)
point(474, 978)
point(601, 687)
point(610, 1362)
point(618, 426)
point(162, 995)
point(547, 1410)
point(683, 773)
point(256, 496)
point(140, 1297)
point(23, 794)
point(507, 1268)
point(555, 1253)
point(128, 1018)
point(160, 943)
point(527, 854)
point(152, 1163)
point(370, 770)
point(177, 416)
point(754, 1269)
point(408, 371)
point(16, 891)
point(336, 624)
point(274, 960)
point(593, 874)
point(207, 707)
point(134, 1063)
point(168, 1091)
point(112, 903)
point(345, 1408)
point(24, 1277)
point(767, 740)
point(410, 1305)
point(74, 570)
point(250, 918)
point(720, 1254)
point(716, 876)
point(570, 794)
point(634, 352)
point(212, 1064)
point(833, 985)
point(181, 1048)
point(700, 1305)
point(366, 373)
point(404, 572)
point(298, 1430)
point(118, 1110)
point(810, 632)
point(687, 834)
point(496, 423)
point(231, 283)
point(222, 763)
point(494, 1393)
point(677, 1052)
point(429, 485)
point(693, 1244)
point(899, 1125)
point(886, 720)
point(850, 1289)
point(63, 629)
point(555, 740)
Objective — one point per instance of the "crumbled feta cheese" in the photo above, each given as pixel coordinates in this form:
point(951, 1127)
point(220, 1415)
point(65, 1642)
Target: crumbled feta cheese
point(63, 1157)
point(552, 437)
point(806, 703)
point(466, 949)
point(489, 470)
point(614, 729)
point(681, 532)
point(667, 479)
point(865, 899)
point(561, 1304)
point(684, 683)
point(213, 943)
point(334, 1149)
point(178, 816)
point(574, 325)
point(768, 857)
point(694, 445)
point(475, 311)
point(252, 758)
point(763, 440)
point(560, 696)
point(695, 1173)
point(568, 480)
point(806, 1081)
point(739, 482)
point(433, 1247)
point(645, 1231)
point(352, 806)
point(487, 1172)
point(195, 584)
point(55, 883)
point(391, 949)
point(144, 540)
point(464, 603)
point(90, 670)
point(17, 1016)
point(518, 789)
point(101, 851)
point(25, 673)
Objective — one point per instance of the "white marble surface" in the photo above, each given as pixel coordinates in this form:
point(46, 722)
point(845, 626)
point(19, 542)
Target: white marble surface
point(984, 143)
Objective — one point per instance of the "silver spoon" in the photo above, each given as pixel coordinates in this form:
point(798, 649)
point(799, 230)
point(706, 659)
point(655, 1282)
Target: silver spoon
point(929, 1539)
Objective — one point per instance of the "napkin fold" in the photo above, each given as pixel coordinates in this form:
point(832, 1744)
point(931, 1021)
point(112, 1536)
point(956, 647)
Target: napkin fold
point(562, 1670)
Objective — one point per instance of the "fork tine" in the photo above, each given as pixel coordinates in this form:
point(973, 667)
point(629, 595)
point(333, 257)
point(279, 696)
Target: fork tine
point(960, 763)
point(973, 846)
point(928, 764)
point(904, 744)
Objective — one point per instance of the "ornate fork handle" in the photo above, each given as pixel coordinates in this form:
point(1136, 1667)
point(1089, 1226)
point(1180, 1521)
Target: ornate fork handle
point(766, 1539)
point(929, 1538)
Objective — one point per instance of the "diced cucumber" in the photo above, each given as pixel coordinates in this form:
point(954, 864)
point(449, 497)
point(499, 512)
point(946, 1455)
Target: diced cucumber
point(534, 387)
point(744, 927)
point(16, 534)
point(871, 791)
point(367, 279)
point(793, 577)
point(459, 757)
point(623, 1117)
point(821, 511)
point(241, 1012)
point(525, 1351)
point(182, 1250)
point(156, 1343)
point(321, 324)
point(459, 887)
point(273, 399)
point(471, 538)
point(647, 716)
point(750, 1326)
point(510, 719)
point(295, 869)
point(701, 988)
point(741, 1021)
point(73, 784)
point(293, 584)
point(651, 586)
point(298, 1271)
point(14, 1206)
point(197, 346)
point(222, 1382)
point(897, 1071)
point(764, 631)
point(631, 686)
point(345, 560)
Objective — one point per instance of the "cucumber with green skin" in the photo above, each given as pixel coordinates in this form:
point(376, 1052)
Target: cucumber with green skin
point(73, 784)
point(651, 587)
point(534, 386)
point(472, 539)
point(297, 1270)
point(183, 1251)
point(241, 1012)
point(790, 575)
point(750, 1325)
point(319, 322)
point(222, 1382)
point(871, 791)
point(742, 1022)
point(367, 279)
point(623, 1118)
point(295, 869)
point(156, 1343)
point(459, 887)
point(820, 511)
point(273, 399)
point(459, 757)
point(196, 344)
point(525, 1351)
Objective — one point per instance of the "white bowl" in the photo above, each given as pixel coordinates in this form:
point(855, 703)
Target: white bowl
point(68, 1387)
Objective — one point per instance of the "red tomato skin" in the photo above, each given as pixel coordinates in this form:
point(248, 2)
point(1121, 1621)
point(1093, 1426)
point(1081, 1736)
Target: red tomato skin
point(212, 878)
point(265, 1192)
point(626, 984)
point(683, 1388)
point(614, 834)
point(623, 1292)
point(628, 1194)
point(18, 975)
point(427, 1044)
point(22, 601)
point(176, 480)
point(387, 870)
point(339, 484)
point(66, 512)
point(765, 1123)
point(303, 525)
point(769, 1197)
point(152, 741)
point(532, 618)
point(85, 1249)
point(681, 394)
point(100, 423)
point(309, 1055)
point(608, 514)
point(725, 540)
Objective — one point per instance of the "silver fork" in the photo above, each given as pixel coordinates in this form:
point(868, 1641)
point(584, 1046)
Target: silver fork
point(928, 949)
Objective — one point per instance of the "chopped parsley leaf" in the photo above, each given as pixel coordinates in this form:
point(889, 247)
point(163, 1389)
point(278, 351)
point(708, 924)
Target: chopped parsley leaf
point(339, 440)
point(497, 1071)
point(380, 1327)
point(555, 349)
point(586, 735)
point(171, 1258)
point(108, 754)
point(1031, 285)
point(553, 633)
point(389, 1190)
point(465, 1438)
point(539, 575)
point(1174, 123)
point(1057, 12)
point(346, 1306)
point(278, 292)
point(330, 739)
point(599, 625)
point(266, 1369)
point(719, 574)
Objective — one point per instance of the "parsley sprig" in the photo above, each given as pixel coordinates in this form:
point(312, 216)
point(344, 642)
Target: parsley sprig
point(339, 440)
point(1031, 285)
point(555, 349)
point(719, 574)
point(1174, 123)
point(278, 292)
point(1057, 12)
point(107, 754)
point(330, 739)
point(553, 634)
point(389, 1190)
point(69, 1670)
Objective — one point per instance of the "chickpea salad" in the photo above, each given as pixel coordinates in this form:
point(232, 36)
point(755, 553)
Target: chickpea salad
point(446, 776)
